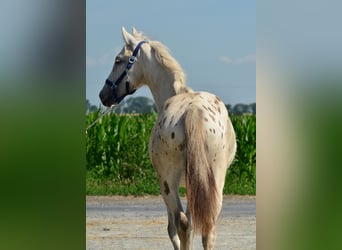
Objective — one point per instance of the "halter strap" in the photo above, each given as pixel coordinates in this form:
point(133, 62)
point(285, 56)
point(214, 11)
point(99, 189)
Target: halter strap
point(130, 63)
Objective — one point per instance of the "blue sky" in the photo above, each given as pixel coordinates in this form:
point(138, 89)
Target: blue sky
point(214, 41)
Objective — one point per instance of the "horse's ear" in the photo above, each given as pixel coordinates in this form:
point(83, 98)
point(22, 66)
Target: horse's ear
point(128, 38)
point(134, 32)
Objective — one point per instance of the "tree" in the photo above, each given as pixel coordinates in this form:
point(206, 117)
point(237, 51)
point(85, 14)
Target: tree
point(241, 108)
point(229, 108)
point(90, 107)
point(253, 107)
point(140, 105)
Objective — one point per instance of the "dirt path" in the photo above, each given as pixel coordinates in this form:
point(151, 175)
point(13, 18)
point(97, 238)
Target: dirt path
point(118, 222)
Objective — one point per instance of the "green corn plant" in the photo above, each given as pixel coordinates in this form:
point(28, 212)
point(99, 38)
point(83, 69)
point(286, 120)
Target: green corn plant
point(241, 177)
point(117, 154)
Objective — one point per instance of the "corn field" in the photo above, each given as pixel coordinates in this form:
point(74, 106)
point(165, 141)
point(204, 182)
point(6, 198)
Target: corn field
point(117, 155)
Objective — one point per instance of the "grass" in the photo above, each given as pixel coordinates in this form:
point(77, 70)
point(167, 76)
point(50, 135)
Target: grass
point(108, 186)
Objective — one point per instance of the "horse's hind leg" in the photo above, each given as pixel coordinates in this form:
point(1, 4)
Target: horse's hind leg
point(172, 230)
point(208, 240)
point(190, 231)
point(179, 226)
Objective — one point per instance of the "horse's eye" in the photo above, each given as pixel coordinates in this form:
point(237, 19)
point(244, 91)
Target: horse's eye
point(117, 60)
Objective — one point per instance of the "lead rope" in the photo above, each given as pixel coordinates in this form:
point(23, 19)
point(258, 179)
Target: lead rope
point(101, 115)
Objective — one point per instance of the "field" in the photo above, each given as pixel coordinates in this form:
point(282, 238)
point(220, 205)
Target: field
point(117, 158)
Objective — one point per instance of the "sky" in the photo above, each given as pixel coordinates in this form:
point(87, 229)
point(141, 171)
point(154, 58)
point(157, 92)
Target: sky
point(214, 41)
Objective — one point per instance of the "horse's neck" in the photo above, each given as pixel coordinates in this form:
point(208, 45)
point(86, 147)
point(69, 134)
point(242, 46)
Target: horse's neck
point(161, 91)
point(163, 84)
point(164, 89)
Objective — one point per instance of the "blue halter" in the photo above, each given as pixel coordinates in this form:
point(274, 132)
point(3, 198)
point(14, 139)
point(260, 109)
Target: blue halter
point(131, 61)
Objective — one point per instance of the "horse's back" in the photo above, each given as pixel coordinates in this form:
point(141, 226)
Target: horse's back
point(168, 141)
point(212, 113)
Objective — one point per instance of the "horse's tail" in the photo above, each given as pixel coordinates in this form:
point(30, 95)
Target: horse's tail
point(201, 190)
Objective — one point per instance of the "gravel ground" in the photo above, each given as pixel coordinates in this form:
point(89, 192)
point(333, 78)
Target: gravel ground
point(117, 222)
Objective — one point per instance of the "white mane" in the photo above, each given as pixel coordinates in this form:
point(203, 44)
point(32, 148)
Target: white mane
point(163, 56)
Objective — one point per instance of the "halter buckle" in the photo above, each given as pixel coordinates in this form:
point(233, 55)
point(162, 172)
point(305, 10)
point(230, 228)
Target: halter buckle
point(132, 59)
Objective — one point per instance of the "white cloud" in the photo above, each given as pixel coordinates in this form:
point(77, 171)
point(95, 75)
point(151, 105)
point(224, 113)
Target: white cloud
point(250, 58)
point(225, 59)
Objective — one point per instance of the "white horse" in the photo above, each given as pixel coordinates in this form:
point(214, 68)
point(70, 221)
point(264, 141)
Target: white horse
point(192, 142)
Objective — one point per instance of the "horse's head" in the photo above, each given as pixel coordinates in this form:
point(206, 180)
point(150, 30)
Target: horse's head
point(126, 76)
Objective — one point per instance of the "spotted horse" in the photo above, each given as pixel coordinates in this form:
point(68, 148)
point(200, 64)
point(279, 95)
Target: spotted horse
point(192, 143)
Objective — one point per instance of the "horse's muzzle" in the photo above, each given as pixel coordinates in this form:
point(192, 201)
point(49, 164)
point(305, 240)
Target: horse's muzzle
point(106, 98)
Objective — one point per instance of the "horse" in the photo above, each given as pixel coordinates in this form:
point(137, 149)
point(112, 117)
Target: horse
point(192, 142)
